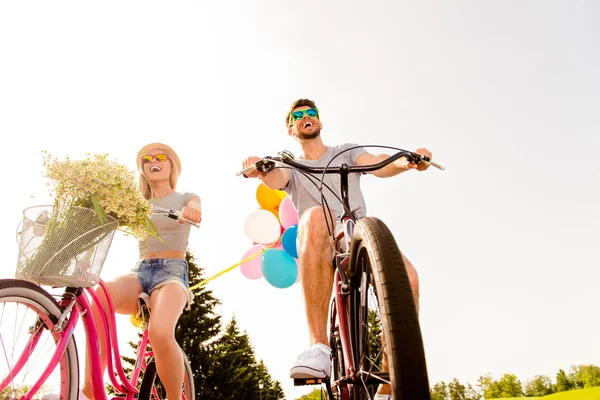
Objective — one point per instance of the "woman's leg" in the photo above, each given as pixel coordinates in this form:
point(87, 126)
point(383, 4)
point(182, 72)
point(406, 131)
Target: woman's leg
point(166, 304)
point(124, 291)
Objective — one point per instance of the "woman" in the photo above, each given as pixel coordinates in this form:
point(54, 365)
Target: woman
point(162, 270)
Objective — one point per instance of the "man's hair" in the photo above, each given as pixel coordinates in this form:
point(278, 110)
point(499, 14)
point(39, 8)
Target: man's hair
point(296, 104)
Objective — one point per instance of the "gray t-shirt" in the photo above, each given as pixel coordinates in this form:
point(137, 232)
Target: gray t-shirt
point(173, 233)
point(305, 194)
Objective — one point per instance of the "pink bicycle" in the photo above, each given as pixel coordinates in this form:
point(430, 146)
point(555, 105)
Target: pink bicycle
point(38, 352)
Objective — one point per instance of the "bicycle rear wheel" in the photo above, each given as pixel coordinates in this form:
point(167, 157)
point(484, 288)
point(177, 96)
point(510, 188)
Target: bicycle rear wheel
point(152, 387)
point(28, 315)
point(382, 307)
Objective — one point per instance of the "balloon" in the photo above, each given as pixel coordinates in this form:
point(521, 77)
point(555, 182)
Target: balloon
point(288, 239)
point(279, 268)
point(267, 197)
point(262, 226)
point(252, 269)
point(287, 213)
point(281, 194)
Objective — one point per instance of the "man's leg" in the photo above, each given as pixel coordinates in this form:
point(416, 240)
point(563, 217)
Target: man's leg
point(316, 272)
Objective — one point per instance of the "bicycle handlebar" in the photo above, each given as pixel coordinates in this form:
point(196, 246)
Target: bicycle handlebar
point(267, 164)
point(173, 214)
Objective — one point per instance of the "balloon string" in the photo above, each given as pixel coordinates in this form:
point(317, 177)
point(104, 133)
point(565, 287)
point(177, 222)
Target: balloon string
point(236, 265)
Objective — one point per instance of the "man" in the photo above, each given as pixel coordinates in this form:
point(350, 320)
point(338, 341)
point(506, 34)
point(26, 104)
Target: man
point(314, 252)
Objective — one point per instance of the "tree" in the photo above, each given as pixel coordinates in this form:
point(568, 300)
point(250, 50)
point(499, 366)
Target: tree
point(539, 386)
point(317, 394)
point(439, 391)
point(508, 386)
point(235, 373)
point(587, 375)
point(563, 382)
point(375, 342)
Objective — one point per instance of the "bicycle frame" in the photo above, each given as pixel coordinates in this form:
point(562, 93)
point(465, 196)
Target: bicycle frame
point(75, 302)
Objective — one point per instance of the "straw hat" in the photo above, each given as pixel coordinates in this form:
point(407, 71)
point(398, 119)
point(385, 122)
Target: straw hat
point(158, 146)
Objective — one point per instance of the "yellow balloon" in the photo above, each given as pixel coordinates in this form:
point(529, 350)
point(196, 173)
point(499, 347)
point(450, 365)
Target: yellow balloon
point(135, 321)
point(281, 194)
point(267, 197)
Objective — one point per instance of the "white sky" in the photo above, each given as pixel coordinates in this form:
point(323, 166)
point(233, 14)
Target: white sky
point(505, 94)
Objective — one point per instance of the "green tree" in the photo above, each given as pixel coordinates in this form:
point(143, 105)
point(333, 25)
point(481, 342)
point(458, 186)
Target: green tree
point(508, 386)
point(587, 375)
point(539, 386)
point(563, 382)
point(235, 373)
point(317, 394)
point(375, 343)
point(458, 391)
point(439, 391)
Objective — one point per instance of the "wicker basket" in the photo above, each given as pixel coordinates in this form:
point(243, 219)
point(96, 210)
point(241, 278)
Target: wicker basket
point(63, 246)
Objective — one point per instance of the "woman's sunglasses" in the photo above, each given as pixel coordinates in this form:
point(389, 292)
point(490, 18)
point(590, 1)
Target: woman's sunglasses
point(297, 115)
point(159, 157)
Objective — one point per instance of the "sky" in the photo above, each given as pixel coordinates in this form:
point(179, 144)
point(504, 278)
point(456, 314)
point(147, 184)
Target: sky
point(504, 94)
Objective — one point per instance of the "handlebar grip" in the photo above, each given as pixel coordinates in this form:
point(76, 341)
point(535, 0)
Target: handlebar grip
point(437, 165)
point(243, 172)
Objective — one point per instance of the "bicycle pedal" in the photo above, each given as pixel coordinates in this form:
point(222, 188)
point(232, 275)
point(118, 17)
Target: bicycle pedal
point(308, 381)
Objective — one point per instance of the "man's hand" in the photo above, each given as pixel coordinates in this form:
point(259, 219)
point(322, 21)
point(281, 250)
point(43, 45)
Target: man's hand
point(250, 161)
point(422, 166)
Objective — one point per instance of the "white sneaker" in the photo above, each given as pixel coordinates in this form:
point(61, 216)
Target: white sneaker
point(380, 396)
point(315, 362)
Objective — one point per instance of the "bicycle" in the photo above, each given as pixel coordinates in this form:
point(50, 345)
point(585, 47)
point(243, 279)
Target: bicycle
point(371, 268)
point(43, 356)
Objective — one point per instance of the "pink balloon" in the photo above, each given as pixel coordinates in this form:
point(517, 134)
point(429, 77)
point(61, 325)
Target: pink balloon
point(287, 213)
point(251, 269)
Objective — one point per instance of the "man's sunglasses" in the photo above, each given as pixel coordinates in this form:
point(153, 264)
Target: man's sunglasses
point(297, 115)
point(159, 157)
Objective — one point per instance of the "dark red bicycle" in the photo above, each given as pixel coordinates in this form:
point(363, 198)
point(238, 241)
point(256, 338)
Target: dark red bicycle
point(373, 319)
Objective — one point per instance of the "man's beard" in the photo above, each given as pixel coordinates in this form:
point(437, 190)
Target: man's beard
point(307, 136)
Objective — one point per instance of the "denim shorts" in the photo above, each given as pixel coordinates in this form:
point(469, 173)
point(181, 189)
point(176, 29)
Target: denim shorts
point(154, 273)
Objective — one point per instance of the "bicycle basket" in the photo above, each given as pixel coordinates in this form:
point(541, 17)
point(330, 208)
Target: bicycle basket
point(63, 246)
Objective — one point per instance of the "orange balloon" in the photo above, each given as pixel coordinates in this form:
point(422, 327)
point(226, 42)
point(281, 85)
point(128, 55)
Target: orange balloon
point(267, 197)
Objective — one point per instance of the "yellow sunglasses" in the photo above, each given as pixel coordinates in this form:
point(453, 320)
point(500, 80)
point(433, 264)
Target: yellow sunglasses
point(159, 157)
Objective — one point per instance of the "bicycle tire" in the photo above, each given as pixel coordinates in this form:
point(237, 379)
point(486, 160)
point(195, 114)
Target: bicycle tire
point(30, 297)
point(151, 381)
point(377, 269)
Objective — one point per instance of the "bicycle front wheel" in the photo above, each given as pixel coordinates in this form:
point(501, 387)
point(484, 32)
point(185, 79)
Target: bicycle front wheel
point(153, 389)
point(384, 322)
point(28, 340)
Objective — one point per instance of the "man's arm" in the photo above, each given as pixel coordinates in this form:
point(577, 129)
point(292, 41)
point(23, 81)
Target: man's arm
point(276, 179)
point(395, 168)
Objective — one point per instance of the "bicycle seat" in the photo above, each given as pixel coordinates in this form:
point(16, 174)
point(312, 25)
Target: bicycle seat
point(142, 316)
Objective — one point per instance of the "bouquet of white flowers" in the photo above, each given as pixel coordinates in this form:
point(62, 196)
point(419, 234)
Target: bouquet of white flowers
point(66, 244)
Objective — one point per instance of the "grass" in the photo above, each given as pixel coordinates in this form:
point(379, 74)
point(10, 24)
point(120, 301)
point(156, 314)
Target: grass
point(581, 394)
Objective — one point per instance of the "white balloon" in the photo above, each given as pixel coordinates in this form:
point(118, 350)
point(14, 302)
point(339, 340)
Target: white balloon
point(262, 226)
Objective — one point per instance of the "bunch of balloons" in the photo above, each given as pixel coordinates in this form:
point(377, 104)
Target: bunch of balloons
point(273, 228)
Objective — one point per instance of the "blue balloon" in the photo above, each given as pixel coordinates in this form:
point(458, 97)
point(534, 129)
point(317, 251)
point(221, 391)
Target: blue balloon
point(288, 240)
point(279, 268)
